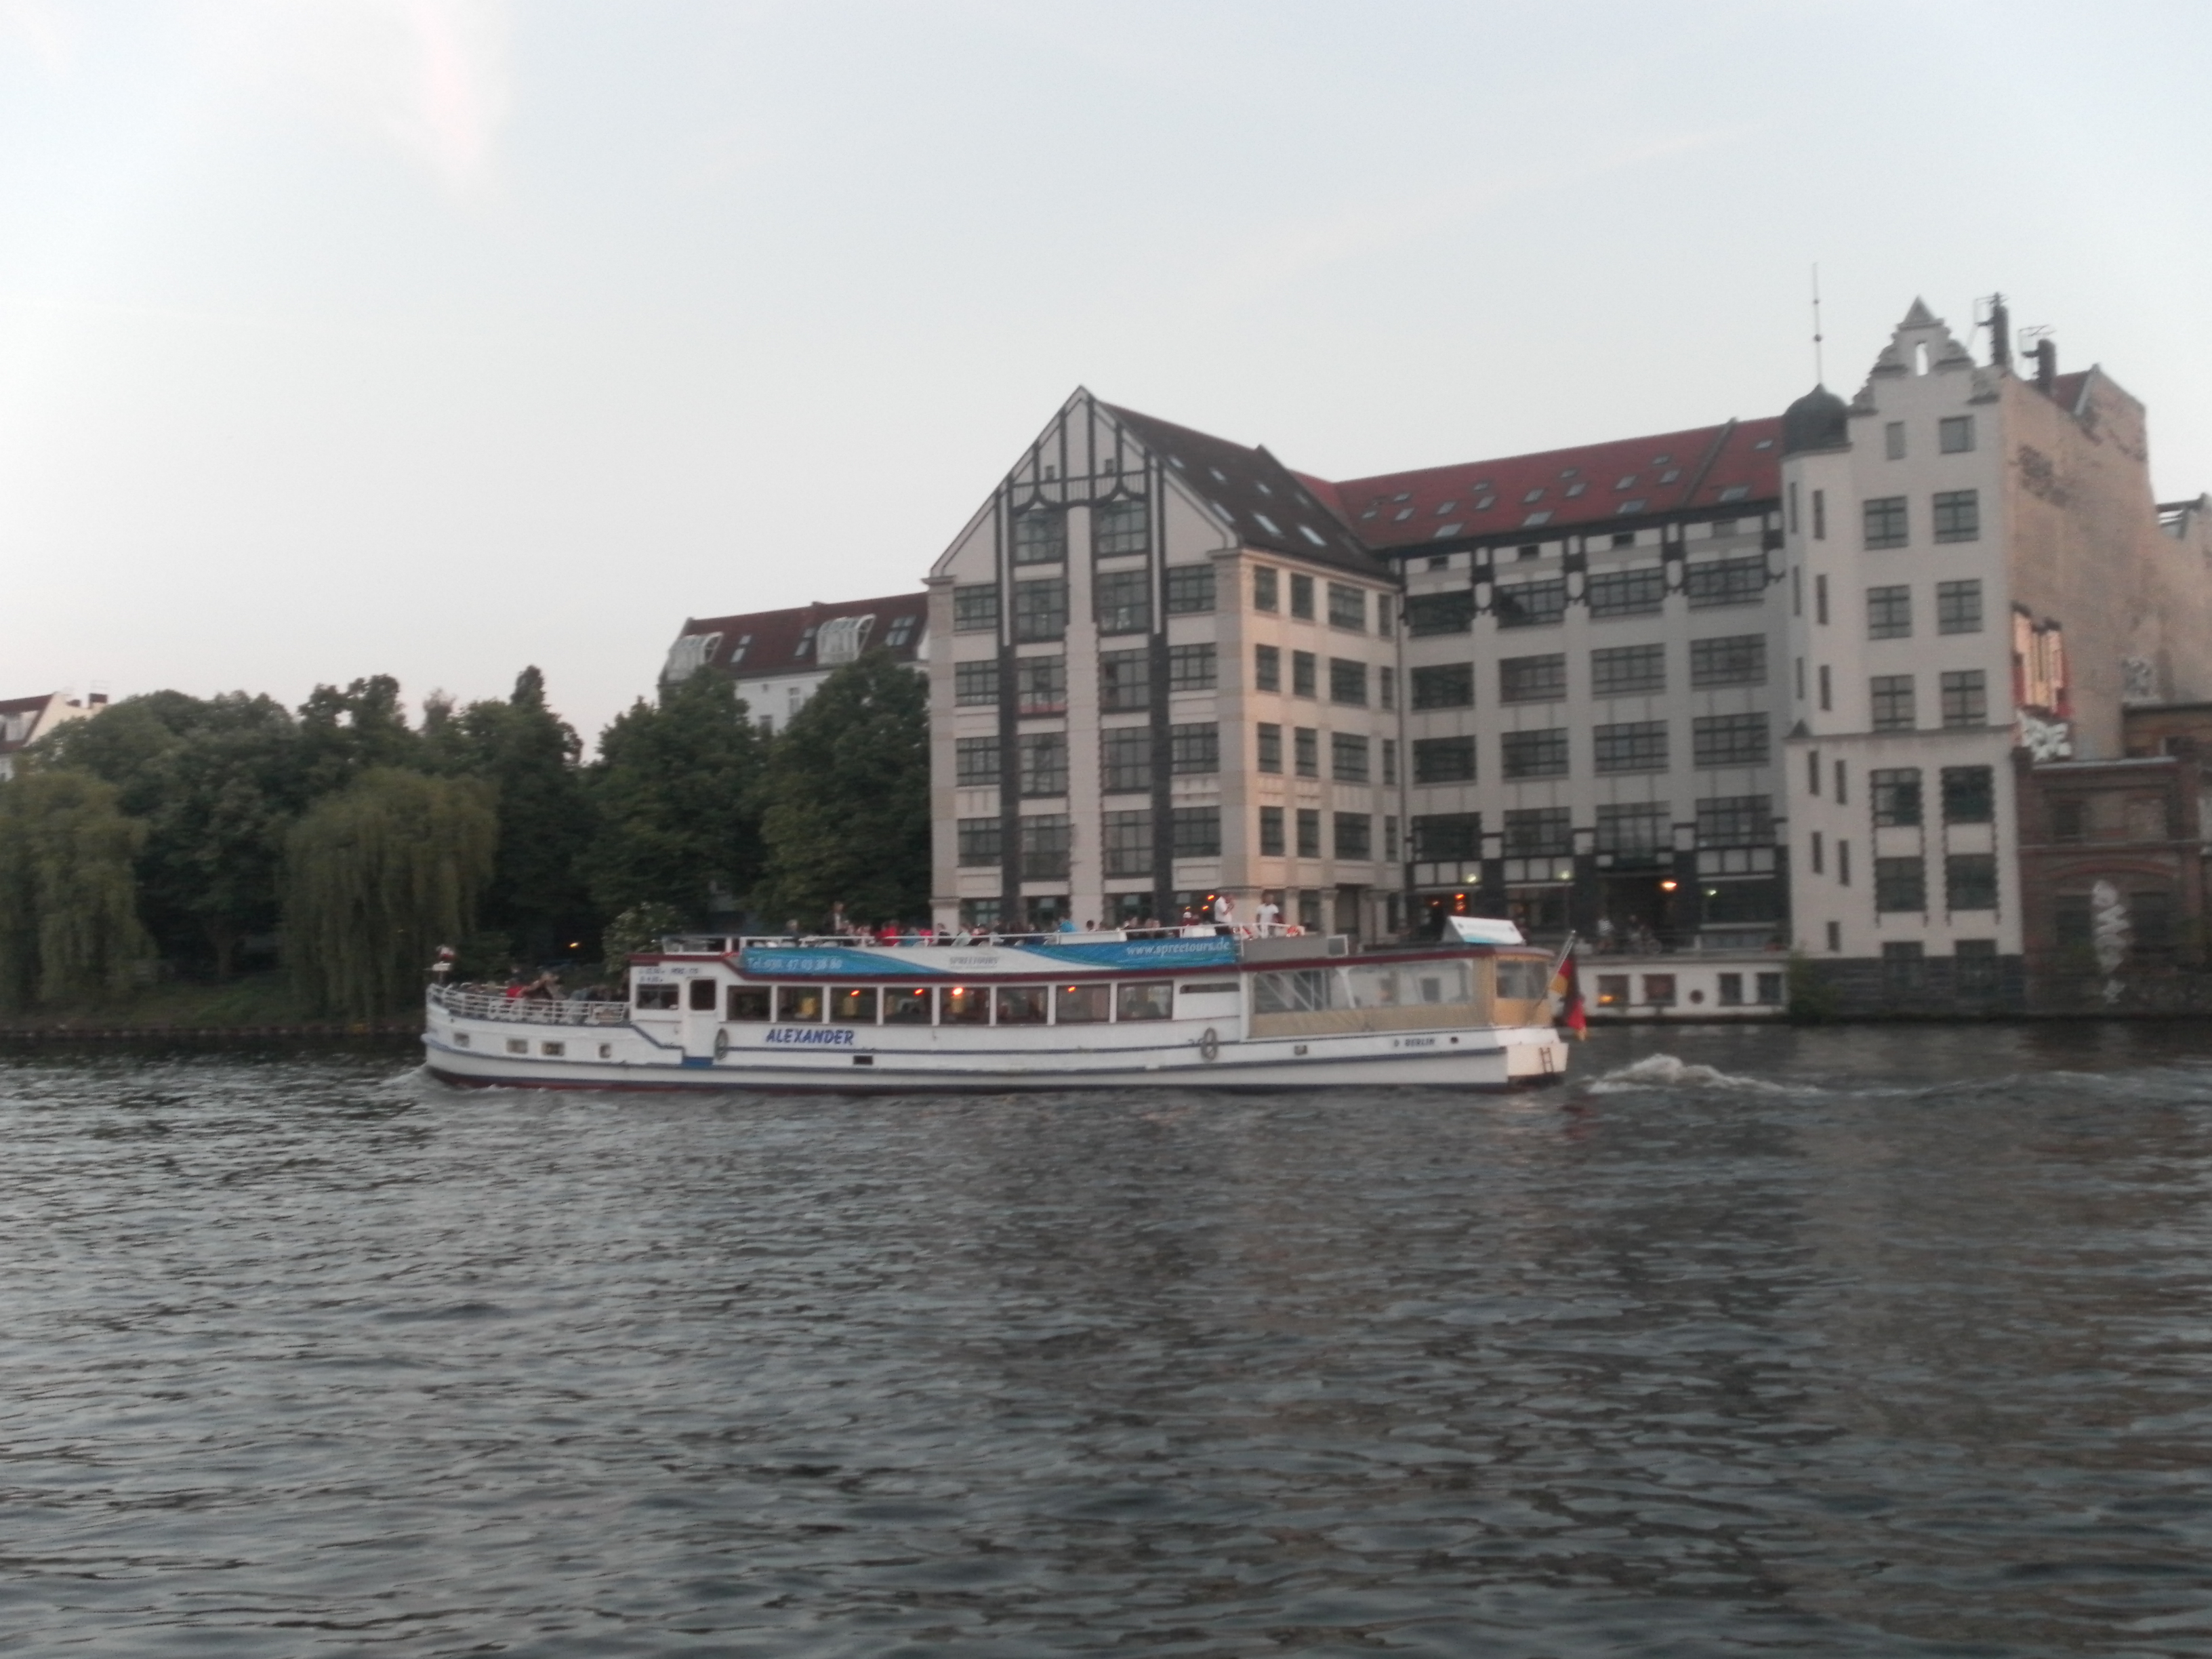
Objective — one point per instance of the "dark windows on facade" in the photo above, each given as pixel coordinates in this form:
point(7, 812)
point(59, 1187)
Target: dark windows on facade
point(1444, 760)
point(1355, 836)
point(1533, 679)
point(975, 762)
point(1955, 435)
point(1890, 702)
point(1970, 881)
point(1306, 751)
point(1638, 829)
point(1041, 685)
point(1889, 613)
point(1729, 740)
point(1305, 674)
point(1191, 668)
point(1195, 748)
point(1266, 668)
point(1630, 746)
point(1269, 749)
point(1904, 968)
point(1308, 827)
point(1189, 589)
point(1041, 609)
point(1969, 794)
point(1044, 847)
point(1447, 685)
point(1122, 601)
point(1450, 612)
point(1272, 844)
point(1040, 536)
point(1390, 761)
point(1347, 607)
point(974, 683)
point(1539, 832)
point(1965, 697)
point(975, 610)
point(1387, 684)
point(1974, 968)
point(1347, 681)
point(1124, 760)
point(1347, 757)
point(1900, 885)
point(1736, 821)
point(1126, 839)
point(1958, 607)
point(1735, 660)
point(1958, 515)
point(1896, 794)
point(982, 841)
point(1886, 523)
point(1195, 832)
point(1446, 837)
point(1267, 587)
point(1622, 671)
point(1531, 605)
point(1717, 582)
point(1119, 528)
point(1125, 681)
point(1626, 593)
point(1535, 754)
point(1302, 597)
point(1042, 762)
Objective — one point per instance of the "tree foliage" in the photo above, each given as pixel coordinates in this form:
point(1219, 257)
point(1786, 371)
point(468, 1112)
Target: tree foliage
point(378, 876)
point(846, 813)
point(68, 917)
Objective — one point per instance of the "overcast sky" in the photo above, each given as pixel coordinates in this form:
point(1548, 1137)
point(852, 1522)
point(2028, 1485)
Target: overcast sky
point(434, 338)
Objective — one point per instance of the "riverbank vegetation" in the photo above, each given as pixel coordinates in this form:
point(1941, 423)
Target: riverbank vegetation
point(178, 839)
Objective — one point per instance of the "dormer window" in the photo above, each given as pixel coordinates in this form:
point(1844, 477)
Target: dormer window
point(901, 631)
point(737, 651)
point(806, 646)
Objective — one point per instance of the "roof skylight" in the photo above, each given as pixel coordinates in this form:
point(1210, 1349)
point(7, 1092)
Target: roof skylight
point(1661, 460)
point(1403, 514)
point(1763, 443)
point(1269, 523)
point(1535, 494)
point(1220, 476)
point(1545, 517)
point(1445, 509)
point(1444, 530)
point(1670, 475)
point(1636, 506)
point(1403, 496)
point(1262, 486)
point(1308, 531)
point(1627, 482)
point(1736, 492)
point(1485, 503)
point(1576, 488)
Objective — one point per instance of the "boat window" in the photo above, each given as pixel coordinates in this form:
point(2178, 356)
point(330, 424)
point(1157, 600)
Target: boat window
point(749, 1002)
point(798, 1003)
point(1210, 988)
point(1081, 1005)
point(1296, 991)
point(1022, 1005)
point(1374, 987)
point(1434, 982)
point(1522, 979)
point(702, 995)
point(853, 1005)
point(656, 996)
point(965, 1005)
point(1145, 1000)
point(906, 1005)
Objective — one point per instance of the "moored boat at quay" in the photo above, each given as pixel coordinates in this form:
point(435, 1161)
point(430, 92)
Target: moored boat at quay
point(1054, 1012)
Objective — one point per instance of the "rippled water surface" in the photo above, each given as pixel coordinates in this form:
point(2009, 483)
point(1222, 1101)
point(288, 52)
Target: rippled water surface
point(1837, 1342)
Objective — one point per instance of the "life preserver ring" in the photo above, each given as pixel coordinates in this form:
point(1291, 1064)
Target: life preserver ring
point(721, 1045)
point(1209, 1045)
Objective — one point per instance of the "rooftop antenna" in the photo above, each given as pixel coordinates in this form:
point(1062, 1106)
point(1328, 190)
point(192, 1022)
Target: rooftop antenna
point(1994, 315)
point(1820, 374)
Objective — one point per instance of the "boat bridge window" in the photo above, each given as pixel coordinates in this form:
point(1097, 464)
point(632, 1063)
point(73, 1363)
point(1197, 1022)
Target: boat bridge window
point(749, 1002)
point(656, 996)
point(798, 1004)
point(853, 1005)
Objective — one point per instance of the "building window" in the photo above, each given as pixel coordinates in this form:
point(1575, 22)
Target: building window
point(1889, 613)
point(976, 761)
point(1309, 822)
point(1539, 832)
point(1041, 609)
point(1196, 832)
point(1955, 435)
point(1347, 607)
point(1041, 685)
point(1124, 760)
point(1118, 527)
point(1621, 670)
point(975, 683)
point(1827, 689)
point(1040, 536)
point(1191, 668)
point(1900, 885)
point(1347, 681)
point(1970, 881)
point(981, 913)
point(1816, 853)
point(1449, 685)
point(1189, 589)
point(1531, 605)
point(1533, 679)
point(1390, 761)
point(1355, 834)
point(1449, 612)
point(1885, 521)
point(1446, 838)
point(1626, 593)
point(1444, 760)
point(1719, 582)
point(1737, 821)
point(1266, 668)
point(1270, 748)
point(1892, 440)
point(1303, 674)
point(1958, 515)
point(2150, 922)
point(1125, 681)
point(1965, 697)
point(1390, 849)
point(1820, 600)
point(1904, 968)
point(1890, 697)
point(1958, 607)
point(1302, 597)
point(1639, 830)
point(1974, 968)
point(1896, 792)
point(1272, 844)
point(1630, 746)
point(1388, 678)
point(1043, 762)
point(982, 841)
point(1735, 659)
point(975, 610)
point(1123, 601)
point(1820, 515)
point(1128, 844)
point(1729, 740)
point(1347, 757)
point(1266, 588)
point(2069, 820)
point(1194, 748)
point(1537, 754)
point(1969, 794)
point(1044, 847)
point(1306, 751)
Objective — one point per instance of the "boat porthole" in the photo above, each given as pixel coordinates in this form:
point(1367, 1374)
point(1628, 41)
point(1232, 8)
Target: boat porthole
point(1209, 1045)
point(721, 1045)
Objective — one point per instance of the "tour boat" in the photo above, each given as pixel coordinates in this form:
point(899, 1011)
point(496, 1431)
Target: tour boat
point(1052, 1011)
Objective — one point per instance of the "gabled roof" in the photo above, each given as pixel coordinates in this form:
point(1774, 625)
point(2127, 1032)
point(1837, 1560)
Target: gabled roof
point(1260, 500)
point(761, 644)
point(1703, 467)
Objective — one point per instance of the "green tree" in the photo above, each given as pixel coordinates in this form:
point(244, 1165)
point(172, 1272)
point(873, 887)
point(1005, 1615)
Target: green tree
point(68, 917)
point(377, 877)
point(344, 733)
point(676, 786)
point(847, 797)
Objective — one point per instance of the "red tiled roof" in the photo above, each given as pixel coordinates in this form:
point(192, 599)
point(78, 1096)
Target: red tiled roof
point(1703, 467)
point(761, 643)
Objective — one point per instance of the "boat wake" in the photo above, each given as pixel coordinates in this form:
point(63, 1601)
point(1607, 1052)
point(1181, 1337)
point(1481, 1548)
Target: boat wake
point(1671, 1071)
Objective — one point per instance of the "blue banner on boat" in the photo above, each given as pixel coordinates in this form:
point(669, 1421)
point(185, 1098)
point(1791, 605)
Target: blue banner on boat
point(961, 961)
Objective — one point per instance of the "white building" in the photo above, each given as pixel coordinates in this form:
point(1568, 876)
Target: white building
point(779, 657)
point(24, 720)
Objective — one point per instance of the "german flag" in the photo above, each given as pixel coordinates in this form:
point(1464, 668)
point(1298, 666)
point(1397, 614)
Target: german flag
point(1567, 986)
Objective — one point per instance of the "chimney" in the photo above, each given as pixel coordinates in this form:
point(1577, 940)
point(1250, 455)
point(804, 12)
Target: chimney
point(95, 700)
point(2000, 333)
point(2046, 365)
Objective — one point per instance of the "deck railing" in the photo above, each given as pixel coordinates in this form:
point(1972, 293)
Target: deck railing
point(476, 1002)
point(715, 945)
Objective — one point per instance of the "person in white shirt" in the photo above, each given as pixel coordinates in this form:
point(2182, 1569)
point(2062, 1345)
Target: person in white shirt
point(1269, 914)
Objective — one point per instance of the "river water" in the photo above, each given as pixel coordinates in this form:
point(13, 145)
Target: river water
point(1845, 1341)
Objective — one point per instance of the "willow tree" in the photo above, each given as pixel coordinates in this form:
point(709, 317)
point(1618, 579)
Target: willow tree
point(68, 915)
point(377, 877)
